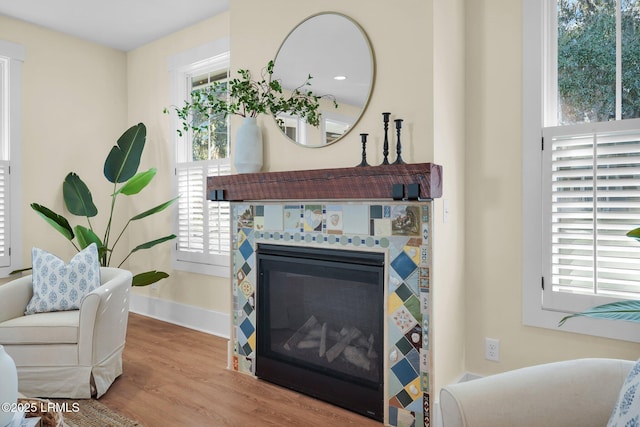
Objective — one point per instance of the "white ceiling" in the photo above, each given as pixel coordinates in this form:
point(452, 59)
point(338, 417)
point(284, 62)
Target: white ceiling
point(121, 24)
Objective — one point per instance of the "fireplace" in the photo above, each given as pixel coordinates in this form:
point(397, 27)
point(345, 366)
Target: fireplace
point(320, 315)
point(396, 233)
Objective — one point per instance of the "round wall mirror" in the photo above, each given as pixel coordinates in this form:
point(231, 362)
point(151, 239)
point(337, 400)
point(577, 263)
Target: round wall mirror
point(336, 52)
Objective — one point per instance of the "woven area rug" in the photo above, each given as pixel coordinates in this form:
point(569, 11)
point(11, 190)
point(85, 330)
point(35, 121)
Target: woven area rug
point(91, 413)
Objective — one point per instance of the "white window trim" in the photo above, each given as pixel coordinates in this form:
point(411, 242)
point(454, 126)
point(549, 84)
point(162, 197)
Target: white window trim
point(16, 55)
point(535, 44)
point(177, 64)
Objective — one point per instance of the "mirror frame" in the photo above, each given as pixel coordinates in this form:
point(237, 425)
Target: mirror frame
point(372, 64)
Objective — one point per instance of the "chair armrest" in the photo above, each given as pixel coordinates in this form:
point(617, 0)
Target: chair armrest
point(14, 297)
point(572, 393)
point(103, 316)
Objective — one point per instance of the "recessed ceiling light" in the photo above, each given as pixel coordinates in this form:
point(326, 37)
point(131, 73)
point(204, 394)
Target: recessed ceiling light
point(340, 78)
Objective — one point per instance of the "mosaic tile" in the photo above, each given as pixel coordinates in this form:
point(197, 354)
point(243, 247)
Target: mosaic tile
point(405, 418)
point(404, 345)
point(415, 391)
point(395, 402)
point(245, 364)
point(393, 303)
point(244, 219)
point(247, 349)
point(313, 218)
point(413, 305)
point(413, 282)
point(404, 398)
point(403, 292)
point(403, 319)
point(425, 327)
point(404, 371)
point(258, 223)
point(247, 308)
point(381, 227)
point(414, 338)
point(425, 367)
point(414, 359)
point(247, 328)
point(424, 256)
point(355, 219)
point(246, 249)
point(403, 265)
point(413, 252)
point(246, 288)
point(375, 211)
point(424, 302)
point(424, 382)
point(426, 409)
point(406, 221)
point(259, 211)
point(387, 212)
point(291, 218)
point(394, 386)
point(425, 231)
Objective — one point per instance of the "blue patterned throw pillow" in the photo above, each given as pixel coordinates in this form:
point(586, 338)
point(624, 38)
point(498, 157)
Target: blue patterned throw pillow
point(58, 286)
point(626, 413)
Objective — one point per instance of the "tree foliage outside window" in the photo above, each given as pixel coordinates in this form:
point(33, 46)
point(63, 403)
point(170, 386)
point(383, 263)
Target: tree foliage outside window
point(209, 139)
point(587, 60)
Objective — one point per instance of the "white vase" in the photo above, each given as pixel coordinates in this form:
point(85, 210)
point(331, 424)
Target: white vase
point(247, 157)
point(8, 386)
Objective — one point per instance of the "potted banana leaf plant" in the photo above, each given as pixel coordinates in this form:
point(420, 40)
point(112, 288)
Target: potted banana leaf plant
point(628, 310)
point(121, 169)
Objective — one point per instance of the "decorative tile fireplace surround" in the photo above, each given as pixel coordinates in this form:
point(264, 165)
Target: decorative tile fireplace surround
point(359, 216)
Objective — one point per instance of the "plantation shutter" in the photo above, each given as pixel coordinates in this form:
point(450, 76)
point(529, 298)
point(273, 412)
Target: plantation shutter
point(593, 196)
point(5, 226)
point(203, 225)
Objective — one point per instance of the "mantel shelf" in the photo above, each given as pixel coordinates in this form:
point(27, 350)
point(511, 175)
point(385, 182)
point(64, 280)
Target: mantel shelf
point(368, 182)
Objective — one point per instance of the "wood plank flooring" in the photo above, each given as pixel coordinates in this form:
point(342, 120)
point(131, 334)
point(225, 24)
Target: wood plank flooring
point(174, 376)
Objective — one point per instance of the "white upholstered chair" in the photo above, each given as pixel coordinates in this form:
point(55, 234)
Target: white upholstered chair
point(67, 354)
point(581, 392)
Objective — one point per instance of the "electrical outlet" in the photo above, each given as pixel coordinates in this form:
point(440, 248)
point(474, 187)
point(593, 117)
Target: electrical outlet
point(492, 349)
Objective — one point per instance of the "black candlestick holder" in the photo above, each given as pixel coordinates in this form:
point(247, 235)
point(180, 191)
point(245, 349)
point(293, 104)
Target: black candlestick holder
point(385, 147)
point(363, 138)
point(399, 160)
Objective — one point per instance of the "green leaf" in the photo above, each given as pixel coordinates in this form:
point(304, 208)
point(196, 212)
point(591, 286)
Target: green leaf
point(58, 222)
point(149, 277)
point(86, 236)
point(77, 197)
point(622, 310)
point(123, 159)
point(22, 270)
point(634, 234)
point(154, 210)
point(138, 182)
point(153, 243)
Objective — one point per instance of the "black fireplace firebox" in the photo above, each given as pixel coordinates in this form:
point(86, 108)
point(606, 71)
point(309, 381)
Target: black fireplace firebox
point(320, 324)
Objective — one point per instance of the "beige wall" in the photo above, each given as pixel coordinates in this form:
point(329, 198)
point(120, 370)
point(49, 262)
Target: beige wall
point(148, 93)
point(74, 110)
point(449, 145)
point(493, 203)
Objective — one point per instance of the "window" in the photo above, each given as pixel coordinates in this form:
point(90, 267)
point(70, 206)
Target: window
point(581, 160)
point(202, 226)
point(11, 58)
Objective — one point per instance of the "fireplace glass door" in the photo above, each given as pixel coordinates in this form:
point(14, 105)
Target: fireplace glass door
point(320, 324)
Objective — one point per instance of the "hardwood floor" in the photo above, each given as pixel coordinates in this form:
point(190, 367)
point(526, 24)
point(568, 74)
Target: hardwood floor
point(174, 376)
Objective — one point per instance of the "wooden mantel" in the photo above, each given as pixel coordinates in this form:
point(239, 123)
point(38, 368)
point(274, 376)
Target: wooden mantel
point(368, 182)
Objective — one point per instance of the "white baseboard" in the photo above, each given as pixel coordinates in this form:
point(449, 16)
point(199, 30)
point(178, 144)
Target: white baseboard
point(189, 316)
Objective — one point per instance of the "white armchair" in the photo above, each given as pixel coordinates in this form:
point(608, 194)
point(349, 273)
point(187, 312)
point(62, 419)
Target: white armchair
point(580, 392)
point(67, 354)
